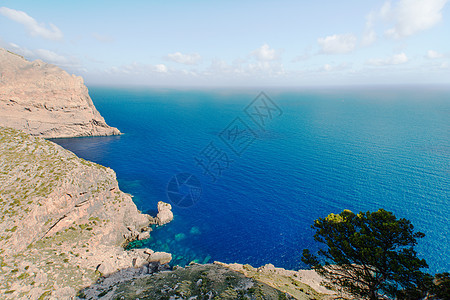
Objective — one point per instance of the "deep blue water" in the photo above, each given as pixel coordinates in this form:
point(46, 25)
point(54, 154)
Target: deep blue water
point(329, 150)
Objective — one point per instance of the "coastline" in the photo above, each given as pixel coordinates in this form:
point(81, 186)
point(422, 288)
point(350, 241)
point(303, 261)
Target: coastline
point(65, 223)
point(82, 223)
point(60, 212)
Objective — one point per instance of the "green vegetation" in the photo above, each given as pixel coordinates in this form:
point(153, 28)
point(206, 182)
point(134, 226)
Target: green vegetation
point(15, 54)
point(193, 282)
point(371, 256)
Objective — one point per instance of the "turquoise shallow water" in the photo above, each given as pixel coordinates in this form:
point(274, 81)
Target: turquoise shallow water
point(323, 151)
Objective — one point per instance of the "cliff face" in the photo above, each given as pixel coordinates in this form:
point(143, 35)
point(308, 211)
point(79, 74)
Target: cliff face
point(43, 100)
point(63, 220)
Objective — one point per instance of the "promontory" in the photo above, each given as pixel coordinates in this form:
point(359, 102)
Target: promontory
point(64, 221)
point(43, 100)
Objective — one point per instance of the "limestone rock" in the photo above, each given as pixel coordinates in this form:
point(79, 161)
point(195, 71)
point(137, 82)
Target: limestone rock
point(105, 268)
point(149, 251)
point(161, 257)
point(301, 284)
point(165, 214)
point(144, 235)
point(139, 257)
point(44, 100)
point(192, 282)
point(62, 220)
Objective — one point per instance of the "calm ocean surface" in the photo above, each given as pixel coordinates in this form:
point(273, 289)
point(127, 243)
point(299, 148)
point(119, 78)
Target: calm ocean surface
point(329, 150)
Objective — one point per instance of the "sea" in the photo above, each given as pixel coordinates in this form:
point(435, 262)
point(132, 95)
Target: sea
point(248, 170)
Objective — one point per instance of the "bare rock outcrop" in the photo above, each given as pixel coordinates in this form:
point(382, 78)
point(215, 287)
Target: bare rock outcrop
point(63, 221)
point(165, 214)
point(195, 281)
point(160, 257)
point(301, 284)
point(44, 100)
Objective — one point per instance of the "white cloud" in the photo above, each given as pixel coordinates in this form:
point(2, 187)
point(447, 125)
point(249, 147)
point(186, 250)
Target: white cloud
point(265, 69)
point(19, 50)
point(265, 53)
point(337, 44)
point(412, 16)
point(140, 69)
point(51, 57)
point(244, 69)
point(434, 54)
point(186, 59)
point(369, 35)
point(33, 27)
point(219, 66)
point(385, 10)
point(160, 68)
point(43, 54)
point(396, 59)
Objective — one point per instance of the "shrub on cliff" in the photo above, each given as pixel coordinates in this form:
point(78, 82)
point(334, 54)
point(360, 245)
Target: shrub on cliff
point(370, 255)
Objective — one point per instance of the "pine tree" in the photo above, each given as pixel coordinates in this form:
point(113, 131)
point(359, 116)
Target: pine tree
point(370, 255)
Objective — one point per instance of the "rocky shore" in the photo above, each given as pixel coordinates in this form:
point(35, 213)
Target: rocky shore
point(63, 220)
point(44, 100)
point(64, 223)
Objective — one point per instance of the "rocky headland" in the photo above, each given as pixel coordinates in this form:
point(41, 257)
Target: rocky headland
point(43, 100)
point(64, 223)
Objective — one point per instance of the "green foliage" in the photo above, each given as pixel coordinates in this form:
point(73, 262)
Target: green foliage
point(370, 255)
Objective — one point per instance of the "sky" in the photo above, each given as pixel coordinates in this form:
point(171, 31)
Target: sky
point(235, 43)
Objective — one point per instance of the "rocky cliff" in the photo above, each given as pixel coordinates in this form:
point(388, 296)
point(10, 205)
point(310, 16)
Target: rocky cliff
point(43, 100)
point(63, 221)
point(63, 225)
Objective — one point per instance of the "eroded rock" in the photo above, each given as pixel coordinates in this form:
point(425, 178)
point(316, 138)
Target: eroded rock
point(165, 214)
point(192, 282)
point(62, 220)
point(44, 100)
point(160, 257)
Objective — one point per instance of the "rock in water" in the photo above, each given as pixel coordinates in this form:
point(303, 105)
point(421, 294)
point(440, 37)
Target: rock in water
point(165, 214)
point(44, 100)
